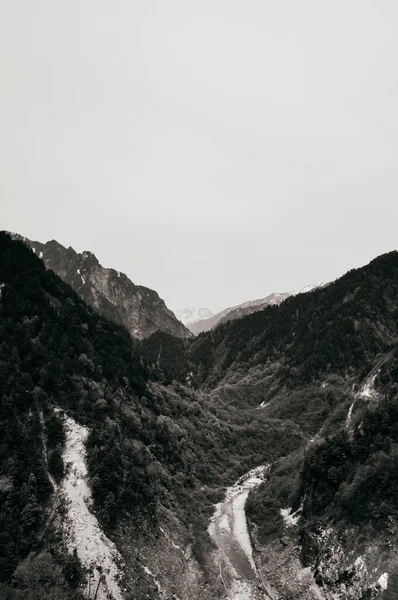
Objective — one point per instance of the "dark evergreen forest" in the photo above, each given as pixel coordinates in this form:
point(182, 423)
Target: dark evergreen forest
point(173, 421)
point(149, 446)
point(338, 329)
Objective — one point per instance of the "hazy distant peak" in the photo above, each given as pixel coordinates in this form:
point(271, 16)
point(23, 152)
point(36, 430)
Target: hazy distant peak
point(246, 308)
point(192, 315)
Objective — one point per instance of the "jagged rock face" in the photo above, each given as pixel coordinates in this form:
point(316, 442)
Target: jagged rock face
point(330, 565)
point(110, 292)
point(348, 566)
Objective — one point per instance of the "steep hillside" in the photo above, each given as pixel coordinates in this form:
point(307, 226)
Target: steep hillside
point(309, 348)
point(299, 361)
point(235, 312)
point(74, 390)
point(110, 292)
point(309, 386)
point(335, 330)
point(244, 309)
point(337, 503)
point(336, 375)
point(324, 522)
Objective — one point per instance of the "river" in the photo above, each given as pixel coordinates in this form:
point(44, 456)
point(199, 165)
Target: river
point(228, 529)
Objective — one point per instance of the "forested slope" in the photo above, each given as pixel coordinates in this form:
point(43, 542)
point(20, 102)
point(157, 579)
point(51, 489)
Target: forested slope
point(335, 329)
point(296, 361)
point(327, 361)
point(150, 448)
point(109, 292)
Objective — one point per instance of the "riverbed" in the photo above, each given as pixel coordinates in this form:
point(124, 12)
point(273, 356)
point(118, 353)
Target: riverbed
point(228, 529)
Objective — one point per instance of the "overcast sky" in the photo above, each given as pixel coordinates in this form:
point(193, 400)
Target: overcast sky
point(214, 150)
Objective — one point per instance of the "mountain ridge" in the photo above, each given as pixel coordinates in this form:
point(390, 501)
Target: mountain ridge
point(246, 308)
point(110, 292)
point(156, 457)
point(309, 386)
point(188, 316)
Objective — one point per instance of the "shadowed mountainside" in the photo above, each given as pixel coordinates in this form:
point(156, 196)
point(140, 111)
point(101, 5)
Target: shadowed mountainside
point(156, 456)
point(110, 292)
point(235, 312)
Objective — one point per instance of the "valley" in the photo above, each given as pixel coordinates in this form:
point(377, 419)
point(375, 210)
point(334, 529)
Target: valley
point(228, 530)
point(145, 484)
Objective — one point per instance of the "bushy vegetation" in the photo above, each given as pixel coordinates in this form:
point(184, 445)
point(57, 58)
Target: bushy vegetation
point(337, 329)
point(148, 445)
point(167, 355)
point(280, 490)
point(41, 577)
point(356, 479)
point(175, 447)
point(351, 479)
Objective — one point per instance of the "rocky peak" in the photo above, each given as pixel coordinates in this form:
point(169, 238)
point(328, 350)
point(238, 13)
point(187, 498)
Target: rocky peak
point(108, 291)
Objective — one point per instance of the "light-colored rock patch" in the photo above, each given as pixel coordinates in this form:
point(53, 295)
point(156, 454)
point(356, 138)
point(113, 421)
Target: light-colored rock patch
point(81, 528)
point(383, 581)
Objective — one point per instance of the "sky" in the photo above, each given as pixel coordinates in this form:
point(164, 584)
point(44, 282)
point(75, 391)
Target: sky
point(216, 151)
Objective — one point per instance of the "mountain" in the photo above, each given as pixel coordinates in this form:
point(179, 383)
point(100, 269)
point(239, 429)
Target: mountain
point(236, 312)
point(332, 331)
point(246, 308)
point(85, 421)
point(337, 501)
point(338, 328)
point(150, 435)
point(208, 323)
point(110, 292)
point(324, 523)
point(188, 316)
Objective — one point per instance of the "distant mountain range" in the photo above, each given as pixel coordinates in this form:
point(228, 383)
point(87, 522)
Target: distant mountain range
point(110, 292)
point(241, 310)
point(138, 308)
point(189, 316)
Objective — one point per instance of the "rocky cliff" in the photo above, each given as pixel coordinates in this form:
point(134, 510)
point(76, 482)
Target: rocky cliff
point(110, 292)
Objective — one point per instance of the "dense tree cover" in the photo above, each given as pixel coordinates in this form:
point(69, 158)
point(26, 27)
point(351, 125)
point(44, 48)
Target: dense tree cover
point(167, 355)
point(53, 351)
point(152, 446)
point(337, 329)
point(349, 478)
point(148, 445)
point(280, 490)
point(356, 478)
point(41, 577)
